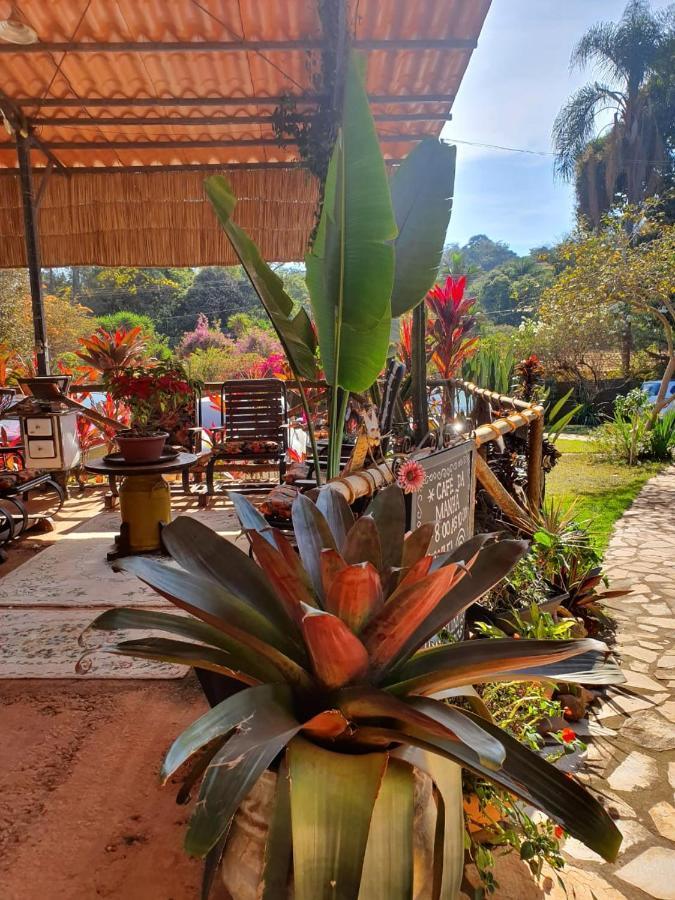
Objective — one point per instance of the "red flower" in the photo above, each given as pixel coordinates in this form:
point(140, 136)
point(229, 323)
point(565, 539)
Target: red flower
point(559, 832)
point(410, 476)
point(568, 736)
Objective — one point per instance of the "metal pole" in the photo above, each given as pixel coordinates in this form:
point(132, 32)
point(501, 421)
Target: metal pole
point(33, 254)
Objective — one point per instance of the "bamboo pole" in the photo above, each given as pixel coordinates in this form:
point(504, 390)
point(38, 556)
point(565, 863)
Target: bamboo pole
point(507, 424)
point(535, 453)
point(499, 494)
point(363, 483)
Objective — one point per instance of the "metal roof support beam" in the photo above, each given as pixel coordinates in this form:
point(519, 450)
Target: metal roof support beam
point(203, 145)
point(33, 254)
point(194, 121)
point(231, 46)
point(159, 102)
point(185, 167)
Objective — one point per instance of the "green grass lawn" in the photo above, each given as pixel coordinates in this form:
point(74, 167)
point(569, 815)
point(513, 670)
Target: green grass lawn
point(603, 490)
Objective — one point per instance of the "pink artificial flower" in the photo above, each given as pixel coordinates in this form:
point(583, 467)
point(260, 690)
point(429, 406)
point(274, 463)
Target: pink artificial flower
point(410, 476)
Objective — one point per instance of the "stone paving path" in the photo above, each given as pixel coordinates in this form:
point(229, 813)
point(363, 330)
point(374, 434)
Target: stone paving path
point(632, 761)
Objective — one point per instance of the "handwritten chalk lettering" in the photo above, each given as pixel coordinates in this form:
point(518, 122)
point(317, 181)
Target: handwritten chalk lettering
point(446, 497)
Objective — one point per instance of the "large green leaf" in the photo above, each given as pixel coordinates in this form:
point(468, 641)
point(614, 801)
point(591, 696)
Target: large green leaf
point(350, 269)
point(471, 662)
point(123, 619)
point(388, 865)
point(199, 549)
point(295, 331)
point(233, 771)
point(332, 800)
point(421, 194)
point(219, 721)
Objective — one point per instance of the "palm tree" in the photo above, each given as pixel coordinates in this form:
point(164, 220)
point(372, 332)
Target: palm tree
point(631, 158)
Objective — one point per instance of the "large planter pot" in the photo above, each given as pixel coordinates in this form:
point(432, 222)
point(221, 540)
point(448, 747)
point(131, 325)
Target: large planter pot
point(141, 448)
point(242, 863)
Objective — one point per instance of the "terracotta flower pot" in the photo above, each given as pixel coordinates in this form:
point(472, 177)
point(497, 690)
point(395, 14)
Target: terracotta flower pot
point(242, 863)
point(141, 448)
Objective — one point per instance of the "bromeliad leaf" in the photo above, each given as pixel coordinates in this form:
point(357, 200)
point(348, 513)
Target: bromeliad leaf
point(249, 517)
point(337, 513)
point(219, 721)
point(291, 589)
point(337, 656)
point(198, 548)
point(313, 535)
point(355, 595)
point(407, 608)
point(236, 768)
point(473, 662)
point(332, 800)
point(388, 865)
point(388, 510)
point(216, 606)
point(363, 543)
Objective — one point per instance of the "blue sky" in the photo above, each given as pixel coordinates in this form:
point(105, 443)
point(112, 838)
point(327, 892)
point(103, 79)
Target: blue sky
point(517, 80)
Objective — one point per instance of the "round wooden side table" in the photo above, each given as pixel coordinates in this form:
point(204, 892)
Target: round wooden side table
point(145, 501)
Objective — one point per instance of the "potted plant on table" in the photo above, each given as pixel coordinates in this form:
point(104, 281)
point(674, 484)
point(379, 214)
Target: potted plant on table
point(335, 769)
point(153, 395)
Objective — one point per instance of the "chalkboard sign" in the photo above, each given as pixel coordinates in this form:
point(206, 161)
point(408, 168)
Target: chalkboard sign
point(447, 497)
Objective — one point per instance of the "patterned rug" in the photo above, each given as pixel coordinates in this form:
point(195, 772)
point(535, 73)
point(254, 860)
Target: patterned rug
point(46, 603)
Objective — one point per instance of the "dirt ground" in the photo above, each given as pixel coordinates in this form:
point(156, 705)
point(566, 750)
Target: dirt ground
point(82, 814)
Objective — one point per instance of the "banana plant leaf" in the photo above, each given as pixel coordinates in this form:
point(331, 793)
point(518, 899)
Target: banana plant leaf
point(350, 269)
point(388, 865)
point(332, 800)
point(421, 194)
point(294, 329)
point(471, 662)
point(199, 549)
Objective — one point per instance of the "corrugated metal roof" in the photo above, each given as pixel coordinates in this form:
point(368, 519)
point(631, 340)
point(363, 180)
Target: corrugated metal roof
point(39, 77)
point(120, 85)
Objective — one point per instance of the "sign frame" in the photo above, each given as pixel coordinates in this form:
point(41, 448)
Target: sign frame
point(445, 467)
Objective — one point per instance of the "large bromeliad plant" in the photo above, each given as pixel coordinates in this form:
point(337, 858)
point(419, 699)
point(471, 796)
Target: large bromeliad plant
point(341, 694)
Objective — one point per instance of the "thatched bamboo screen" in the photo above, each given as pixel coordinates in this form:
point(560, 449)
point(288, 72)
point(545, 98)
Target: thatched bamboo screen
point(153, 218)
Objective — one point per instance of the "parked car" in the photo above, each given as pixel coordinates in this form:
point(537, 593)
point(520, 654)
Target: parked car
point(651, 389)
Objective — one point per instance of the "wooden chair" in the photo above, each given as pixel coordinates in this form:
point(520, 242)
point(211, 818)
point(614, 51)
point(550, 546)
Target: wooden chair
point(253, 436)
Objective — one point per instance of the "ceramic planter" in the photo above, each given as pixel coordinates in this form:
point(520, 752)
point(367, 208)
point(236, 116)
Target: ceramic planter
point(137, 448)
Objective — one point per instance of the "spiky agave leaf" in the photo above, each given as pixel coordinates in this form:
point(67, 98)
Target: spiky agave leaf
point(339, 680)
